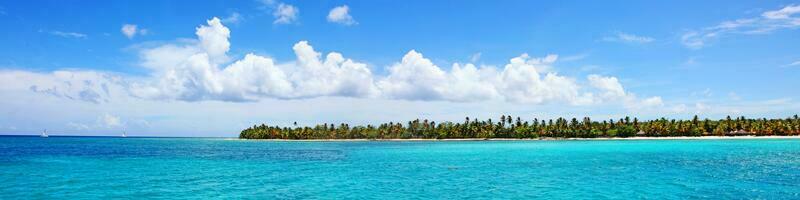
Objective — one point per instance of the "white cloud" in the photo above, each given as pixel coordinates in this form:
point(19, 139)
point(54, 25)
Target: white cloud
point(417, 78)
point(475, 57)
point(574, 57)
point(188, 79)
point(652, 102)
point(87, 86)
point(200, 70)
point(266, 3)
point(335, 75)
point(628, 38)
point(285, 14)
point(610, 90)
point(609, 86)
point(234, 18)
point(110, 121)
point(131, 30)
point(69, 34)
point(783, 13)
point(78, 126)
point(341, 15)
point(103, 122)
point(795, 63)
point(705, 93)
point(524, 80)
point(192, 77)
point(655, 105)
point(521, 81)
point(769, 21)
point(694, 40)
point(193, 71)
point(214, 40)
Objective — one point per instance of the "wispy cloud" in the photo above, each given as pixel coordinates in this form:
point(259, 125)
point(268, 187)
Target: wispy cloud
point(793, 64)
point(574, 57)
point(285, 14)
point(767, 22)
point(69, 34)
point(693, 60)
point(341, 15)
point(234, 18)
point(628, 38)
point(474, 58)
point(105, 121)
point(589, 68)
point(705, 93)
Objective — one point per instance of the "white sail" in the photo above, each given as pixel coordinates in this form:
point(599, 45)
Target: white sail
point(44, 133)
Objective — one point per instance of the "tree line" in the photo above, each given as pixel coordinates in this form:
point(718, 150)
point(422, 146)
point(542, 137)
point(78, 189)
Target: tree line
point(515, 127)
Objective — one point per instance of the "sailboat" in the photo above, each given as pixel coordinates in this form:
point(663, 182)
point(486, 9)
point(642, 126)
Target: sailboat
point(44, 133)
point(124, 134)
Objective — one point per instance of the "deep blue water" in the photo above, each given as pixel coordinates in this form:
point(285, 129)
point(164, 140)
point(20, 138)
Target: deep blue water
point(191, 168)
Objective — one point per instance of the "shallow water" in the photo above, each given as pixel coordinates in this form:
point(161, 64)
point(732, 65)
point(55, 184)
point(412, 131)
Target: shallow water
point(191, 168)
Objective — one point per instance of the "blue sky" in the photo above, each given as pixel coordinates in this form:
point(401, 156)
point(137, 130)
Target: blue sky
point(82, 68)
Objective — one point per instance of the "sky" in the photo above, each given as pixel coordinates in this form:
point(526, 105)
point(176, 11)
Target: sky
point(183, 68)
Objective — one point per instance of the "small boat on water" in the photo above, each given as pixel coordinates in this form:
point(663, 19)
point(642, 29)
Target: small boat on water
point(124, 134)
point(44, 133)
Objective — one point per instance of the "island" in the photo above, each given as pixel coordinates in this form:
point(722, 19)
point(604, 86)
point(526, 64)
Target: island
point(510, 127)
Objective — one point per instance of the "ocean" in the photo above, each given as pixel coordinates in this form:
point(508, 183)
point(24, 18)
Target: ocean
point(216, 168)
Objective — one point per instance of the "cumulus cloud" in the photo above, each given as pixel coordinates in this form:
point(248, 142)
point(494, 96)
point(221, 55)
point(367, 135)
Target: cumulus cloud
point(530, 80)
point(131, 30)
point(769, 21)
point(335, 75)
point(214, 39)
point(523, 80)
point(415, 77)
point(200, 69)
point(285, 14)
point(609, 86)
point(628, 38)
point(189, 78)
point(194, 71)
point(609, 89)
point(341, 15)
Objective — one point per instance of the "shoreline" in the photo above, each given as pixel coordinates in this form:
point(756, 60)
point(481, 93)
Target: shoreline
point(533, 139)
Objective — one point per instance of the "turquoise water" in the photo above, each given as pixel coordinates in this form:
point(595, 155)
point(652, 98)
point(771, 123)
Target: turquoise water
point(190, 168)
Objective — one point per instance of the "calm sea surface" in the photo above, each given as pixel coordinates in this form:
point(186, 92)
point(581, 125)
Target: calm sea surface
point(190, 168)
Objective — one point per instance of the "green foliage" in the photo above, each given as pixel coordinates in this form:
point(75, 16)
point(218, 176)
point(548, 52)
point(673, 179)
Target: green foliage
point(510, 127)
